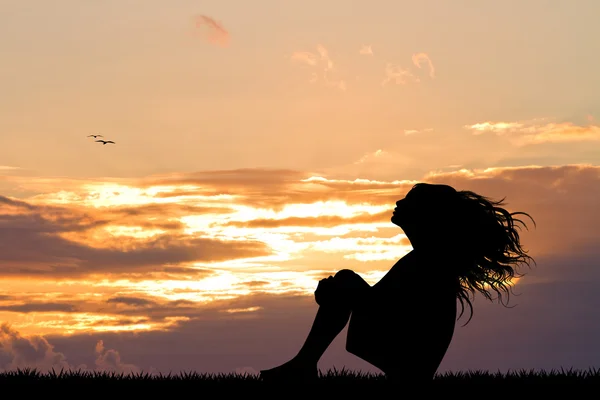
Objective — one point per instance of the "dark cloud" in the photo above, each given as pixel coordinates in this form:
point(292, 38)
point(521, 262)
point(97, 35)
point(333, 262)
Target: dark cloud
point(31, 244)
point(15, 203)
point(169, 210)
point(275, 188)
point(562, 200)
point(131, 301)
point(216, 180)
point(162, 273)
point(216, 33)
point(324, 221)
point(110, 360)
point(17, 351)
point(39, 307)
point(104, 322)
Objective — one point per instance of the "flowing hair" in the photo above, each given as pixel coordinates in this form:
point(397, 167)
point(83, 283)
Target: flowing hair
point(494, 248)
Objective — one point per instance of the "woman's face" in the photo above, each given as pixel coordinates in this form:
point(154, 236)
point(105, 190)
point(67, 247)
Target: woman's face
point(420, 212)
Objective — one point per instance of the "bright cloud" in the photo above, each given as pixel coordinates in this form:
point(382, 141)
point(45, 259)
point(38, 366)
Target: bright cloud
point(398, 75)
point(408, 132)
point(538, 131)
point(366, 50)
point(323, 62)
point(422, 58)
point(305, 57)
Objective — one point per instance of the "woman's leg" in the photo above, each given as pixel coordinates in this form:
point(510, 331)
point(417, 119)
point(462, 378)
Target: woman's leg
point(336, 297)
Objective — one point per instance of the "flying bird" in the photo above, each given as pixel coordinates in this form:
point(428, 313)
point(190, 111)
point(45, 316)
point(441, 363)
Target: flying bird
point(95, 136)
point(105, 141)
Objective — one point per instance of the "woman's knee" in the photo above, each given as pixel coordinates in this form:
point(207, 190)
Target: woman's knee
point(345, 275)
point(343, 289)
point(350, 280)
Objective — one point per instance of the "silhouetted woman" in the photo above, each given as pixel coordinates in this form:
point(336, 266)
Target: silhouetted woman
point(403, 324)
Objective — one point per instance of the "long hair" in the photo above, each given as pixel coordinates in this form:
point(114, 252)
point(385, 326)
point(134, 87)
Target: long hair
point(494, 251)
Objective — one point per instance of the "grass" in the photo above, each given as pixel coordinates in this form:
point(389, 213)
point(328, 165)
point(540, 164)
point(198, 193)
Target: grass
point(31, 379)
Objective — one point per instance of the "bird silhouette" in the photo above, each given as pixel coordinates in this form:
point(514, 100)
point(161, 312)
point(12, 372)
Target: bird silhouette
point(105, 141)
point(95, 136)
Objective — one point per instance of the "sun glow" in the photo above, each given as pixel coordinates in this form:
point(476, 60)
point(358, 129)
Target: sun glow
point(302, 250)
point(135, 232)
point(73, 323)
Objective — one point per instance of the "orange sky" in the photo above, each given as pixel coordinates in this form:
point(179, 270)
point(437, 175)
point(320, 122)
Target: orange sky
point(262, 147)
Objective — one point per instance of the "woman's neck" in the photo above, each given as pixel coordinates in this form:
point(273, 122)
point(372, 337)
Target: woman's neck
point(443, 261)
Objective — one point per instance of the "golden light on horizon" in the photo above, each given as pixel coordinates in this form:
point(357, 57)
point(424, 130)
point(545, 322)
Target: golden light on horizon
point(77, 323)
point(299, 255)
point(158, 293)
point(133, 232)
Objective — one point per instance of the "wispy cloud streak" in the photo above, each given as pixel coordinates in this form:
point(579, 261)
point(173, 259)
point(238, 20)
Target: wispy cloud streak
point(398, 75)
point(215, 31)
point(422, 58)
point(538, 131)
point(323, 61)
point(366, 50)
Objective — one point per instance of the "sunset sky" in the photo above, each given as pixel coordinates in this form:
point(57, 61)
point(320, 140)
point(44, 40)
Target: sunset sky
point(261, 146)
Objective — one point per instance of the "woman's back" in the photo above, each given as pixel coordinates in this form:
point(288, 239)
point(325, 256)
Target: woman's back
point(406, 325)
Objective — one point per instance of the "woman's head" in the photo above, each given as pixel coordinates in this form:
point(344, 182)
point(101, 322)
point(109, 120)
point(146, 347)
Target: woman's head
point(425, 211)
point(476, 233)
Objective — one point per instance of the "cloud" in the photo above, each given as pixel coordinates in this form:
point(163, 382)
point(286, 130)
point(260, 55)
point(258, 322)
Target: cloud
point(323, 221)
point(110, 360)
point(409, 132)
point(38, 252)
point(385, 165)
point(36, 352)
point(212, 343)
point(305, 57)
point(420, 58)
point(37, 307)
point(324, 53)
point(562, 200)
point(323, 62)
point(402, 76)
point(216, 33)
point(366, 50)
point(538, 131)
point(17, 351)
point(398, 75)
point(131, 301)
point(42, 240)
point(496, 127)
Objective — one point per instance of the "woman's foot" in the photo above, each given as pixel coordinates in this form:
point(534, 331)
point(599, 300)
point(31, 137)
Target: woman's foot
point(292, 370)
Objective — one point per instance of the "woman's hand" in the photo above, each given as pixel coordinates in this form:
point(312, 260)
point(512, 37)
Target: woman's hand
point(325, 290)
point(346, 288)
